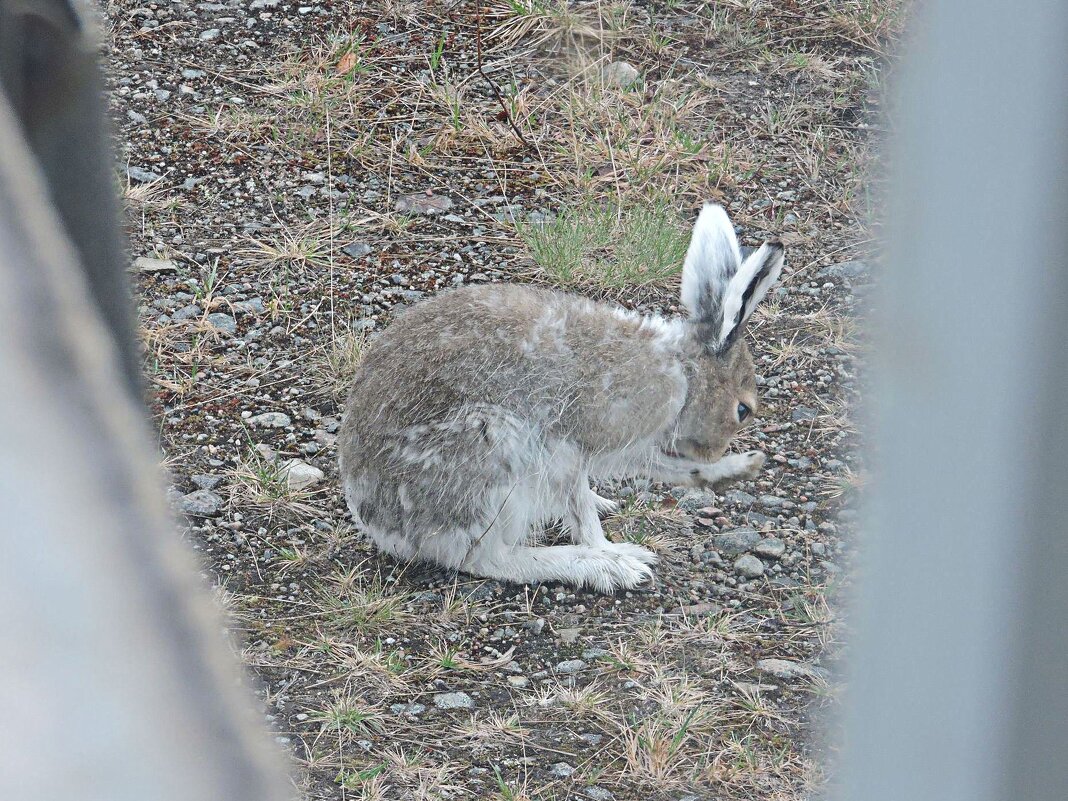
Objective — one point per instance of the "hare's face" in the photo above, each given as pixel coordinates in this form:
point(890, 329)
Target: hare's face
point(720, 290)
point(721, 399)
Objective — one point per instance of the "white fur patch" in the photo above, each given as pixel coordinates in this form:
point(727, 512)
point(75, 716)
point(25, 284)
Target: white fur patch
point(668, 332)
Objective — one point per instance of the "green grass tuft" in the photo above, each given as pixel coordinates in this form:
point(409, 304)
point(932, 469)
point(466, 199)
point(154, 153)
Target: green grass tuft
point(608, 245)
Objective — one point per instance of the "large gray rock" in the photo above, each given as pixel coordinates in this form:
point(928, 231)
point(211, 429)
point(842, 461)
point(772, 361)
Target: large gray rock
point(144, 264)
point(142, 175)
point(788, 670)
point(414, 709)
point(190, 312)
point(695, 500)
point(356, 249)
point(749, 566)
point(772, 548)
point(571, 666)
point(739, 497)
point(774, 502)
point(201, 503)
point(206, 481)
point(421, 203)
point(621, 74)
point(250, 306)
point(737, 542)
point(223, 322)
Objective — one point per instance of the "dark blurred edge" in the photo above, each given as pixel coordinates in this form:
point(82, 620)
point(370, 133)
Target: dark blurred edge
point(49, 72)
point(116, 680)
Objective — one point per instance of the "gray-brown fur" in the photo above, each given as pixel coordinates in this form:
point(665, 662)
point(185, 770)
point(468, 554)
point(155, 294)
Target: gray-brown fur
point(603, 384)
point(482, 414)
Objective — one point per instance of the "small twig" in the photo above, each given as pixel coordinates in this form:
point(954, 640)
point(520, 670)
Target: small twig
point(492, 85)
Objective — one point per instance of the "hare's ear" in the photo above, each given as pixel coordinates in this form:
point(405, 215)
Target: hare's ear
point(747, 286)
point(711, 261)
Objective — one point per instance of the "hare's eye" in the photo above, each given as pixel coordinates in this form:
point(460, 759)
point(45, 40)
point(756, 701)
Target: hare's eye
point(743, 412)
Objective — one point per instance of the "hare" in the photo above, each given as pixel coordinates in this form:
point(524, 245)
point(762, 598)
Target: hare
point(479, 416)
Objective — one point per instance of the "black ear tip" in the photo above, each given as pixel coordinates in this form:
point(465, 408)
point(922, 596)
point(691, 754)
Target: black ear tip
point(775, 244)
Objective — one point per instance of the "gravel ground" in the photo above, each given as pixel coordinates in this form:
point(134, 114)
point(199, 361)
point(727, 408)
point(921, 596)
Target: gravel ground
point(294, 174)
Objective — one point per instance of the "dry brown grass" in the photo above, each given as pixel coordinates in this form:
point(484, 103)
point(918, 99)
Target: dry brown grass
point(749, 101)
point(336, 362)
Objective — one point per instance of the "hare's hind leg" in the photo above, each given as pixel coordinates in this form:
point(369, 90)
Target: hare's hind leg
point(605, 569)
point(377, 512)
point(502, 551)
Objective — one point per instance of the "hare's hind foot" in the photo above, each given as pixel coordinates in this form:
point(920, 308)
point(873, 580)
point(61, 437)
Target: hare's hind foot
point(605, 506)
point(606, 568)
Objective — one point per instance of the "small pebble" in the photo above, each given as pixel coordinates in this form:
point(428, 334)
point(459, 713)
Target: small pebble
point(455, 700)
point(271, 420)
point(749, 566)
point(571, 666)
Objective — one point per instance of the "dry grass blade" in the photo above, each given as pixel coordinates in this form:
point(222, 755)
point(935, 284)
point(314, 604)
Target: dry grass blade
point(656, 749)
point(348, 716)
point(492, 731)
point(535, 23)
point(847, 483)
point(147, 193)
point(335, 364)
point(361, 604)
point(298, 248)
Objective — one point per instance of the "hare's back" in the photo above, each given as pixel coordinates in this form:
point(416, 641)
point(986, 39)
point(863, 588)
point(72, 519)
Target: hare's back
point(470, 345)
point(567, 365)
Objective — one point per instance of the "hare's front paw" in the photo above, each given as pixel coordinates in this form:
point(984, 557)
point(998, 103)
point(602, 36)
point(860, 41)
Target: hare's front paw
point(735, 467)
point(747, 465)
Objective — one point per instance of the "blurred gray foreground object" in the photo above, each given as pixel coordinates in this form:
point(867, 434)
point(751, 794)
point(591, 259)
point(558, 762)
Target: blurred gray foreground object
point(959, 689)
point(116, 683)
